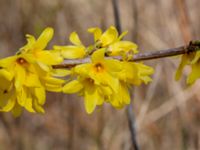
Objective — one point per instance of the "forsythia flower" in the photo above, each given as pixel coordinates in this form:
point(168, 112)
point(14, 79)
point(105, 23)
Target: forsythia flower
point(78, 50)
point(27, 75)
point(193, 60)
point(130, 74)
point(99, 77)
point(110, 40)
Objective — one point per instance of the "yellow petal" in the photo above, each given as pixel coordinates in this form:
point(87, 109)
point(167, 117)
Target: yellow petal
point(37, 107)
point(183, 63)
point(109, 36)
point(195, 74)
point(72, 87)
point(128, 72)
point(42, 67)
point(8, 61)
point(21, 96)
point(9, 106)
point(90, 99)
point(74, 38)
point(53, 84)
point(29, 104)
point(113, 65)
point(146, 79)
point(105, 79)
point(32, 80)
point(48, 57)
point(98, 55)
point(122, 35)
point(44, 39)
point(53, 81)
point(20, 76)
point(53, 88)
point(121, 98)
point(40, 95)
point(73, 52)
point(61, 72)
point(97, 33)
point(105, 90)
point(30, 43)
point(196, 58)
point(6, 74)
point(83, 69)
point(17, 110)
point(143, 69)
point(120, 47)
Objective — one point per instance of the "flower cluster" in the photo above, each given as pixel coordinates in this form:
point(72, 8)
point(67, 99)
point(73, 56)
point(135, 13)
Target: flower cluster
point(104, 80)
point(26, 76)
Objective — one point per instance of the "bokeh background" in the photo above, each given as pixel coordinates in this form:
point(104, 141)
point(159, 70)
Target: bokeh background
point(167, 112)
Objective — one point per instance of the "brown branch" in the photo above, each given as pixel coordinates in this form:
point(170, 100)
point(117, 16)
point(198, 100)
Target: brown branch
point(193, 46)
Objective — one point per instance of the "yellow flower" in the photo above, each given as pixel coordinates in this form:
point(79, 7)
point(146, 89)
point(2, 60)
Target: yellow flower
point(101, 70)
point(108, 37)
point(96, 80)
point(110, 40)
point(78, 50)
point(135, 73)
point(192, 60)
point(40, 44)
point(17, 90)
point(93, 94)
point(25, 82)
point(122, 97)
point(185, 60)
point(123, 48)
point(28, 74)
point(131, 74)
point(44, 59)
point(37, 48)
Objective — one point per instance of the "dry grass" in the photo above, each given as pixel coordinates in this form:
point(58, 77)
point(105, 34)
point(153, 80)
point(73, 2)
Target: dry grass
point(167, 112)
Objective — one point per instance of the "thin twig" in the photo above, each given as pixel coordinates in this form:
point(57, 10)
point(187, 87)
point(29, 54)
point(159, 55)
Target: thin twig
point(116, 15)
point(135, 17)
point(183, 19)
point(132, 124)
point(193, 46)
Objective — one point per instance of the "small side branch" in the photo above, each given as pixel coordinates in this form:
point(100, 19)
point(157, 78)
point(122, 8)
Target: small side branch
point(116, 15)
point(131, 122)
point(191, 47)
point(160, 54)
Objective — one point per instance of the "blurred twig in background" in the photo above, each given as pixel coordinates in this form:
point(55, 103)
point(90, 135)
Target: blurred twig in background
point(130, 113)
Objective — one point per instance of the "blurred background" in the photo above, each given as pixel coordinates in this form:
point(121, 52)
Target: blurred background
point(167, 112)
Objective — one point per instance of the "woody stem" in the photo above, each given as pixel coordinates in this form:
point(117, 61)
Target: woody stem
point(191, 47)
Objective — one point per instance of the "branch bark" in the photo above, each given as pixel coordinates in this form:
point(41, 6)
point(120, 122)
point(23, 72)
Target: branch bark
point(191, 47)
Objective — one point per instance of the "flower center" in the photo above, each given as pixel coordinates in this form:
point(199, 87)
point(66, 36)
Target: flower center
point(21, 61)
point(5, 92)
point(99, 67)
point(90, 80)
